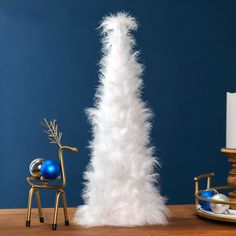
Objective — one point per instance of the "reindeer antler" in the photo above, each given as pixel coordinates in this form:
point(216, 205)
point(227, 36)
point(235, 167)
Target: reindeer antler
point(54, 135)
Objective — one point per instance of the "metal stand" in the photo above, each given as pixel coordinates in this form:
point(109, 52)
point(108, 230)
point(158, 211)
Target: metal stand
point(44, 184)
point(208, 214)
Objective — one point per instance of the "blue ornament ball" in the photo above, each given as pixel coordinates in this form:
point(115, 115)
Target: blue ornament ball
point(209, 193)
point(50, 169)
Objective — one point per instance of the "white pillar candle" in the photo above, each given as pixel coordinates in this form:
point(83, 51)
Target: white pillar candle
point(231, 121)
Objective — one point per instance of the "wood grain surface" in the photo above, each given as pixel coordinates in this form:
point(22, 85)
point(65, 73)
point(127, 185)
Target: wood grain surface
point(182, 222)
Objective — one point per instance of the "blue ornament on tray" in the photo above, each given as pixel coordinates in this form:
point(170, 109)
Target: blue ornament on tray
point(50, 169)
point(209, 193)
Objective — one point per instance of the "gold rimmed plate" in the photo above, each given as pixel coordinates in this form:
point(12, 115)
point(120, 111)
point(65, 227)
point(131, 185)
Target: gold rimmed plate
point(230, 216)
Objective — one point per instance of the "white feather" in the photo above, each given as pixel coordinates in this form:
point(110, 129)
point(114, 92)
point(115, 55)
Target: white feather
point(120, 180)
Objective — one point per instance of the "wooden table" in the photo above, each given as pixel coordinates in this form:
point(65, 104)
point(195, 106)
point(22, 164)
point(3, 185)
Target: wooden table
point(183, 222)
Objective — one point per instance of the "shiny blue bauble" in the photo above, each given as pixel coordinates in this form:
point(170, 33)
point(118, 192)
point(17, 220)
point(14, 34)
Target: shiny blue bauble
point(206, 194)
point(50, 169)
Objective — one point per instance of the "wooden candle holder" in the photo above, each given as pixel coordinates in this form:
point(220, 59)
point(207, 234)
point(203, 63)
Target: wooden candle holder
point(231, 179)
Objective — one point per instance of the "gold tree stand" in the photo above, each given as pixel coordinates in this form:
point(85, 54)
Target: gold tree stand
point(40, 183)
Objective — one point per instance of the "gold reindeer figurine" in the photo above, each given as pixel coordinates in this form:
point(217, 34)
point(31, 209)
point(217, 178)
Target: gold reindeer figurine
point(41, 183)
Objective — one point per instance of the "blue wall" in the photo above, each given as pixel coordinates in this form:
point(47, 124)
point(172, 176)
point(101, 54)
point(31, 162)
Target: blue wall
point(49, 52)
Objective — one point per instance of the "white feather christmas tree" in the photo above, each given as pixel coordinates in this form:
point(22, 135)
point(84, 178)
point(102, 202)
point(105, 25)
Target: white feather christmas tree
point(120, 180)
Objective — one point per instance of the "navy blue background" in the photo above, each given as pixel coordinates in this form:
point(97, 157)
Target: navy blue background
point(49, 52)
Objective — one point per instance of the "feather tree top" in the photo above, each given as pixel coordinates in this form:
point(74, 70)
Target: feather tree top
point(121, 20)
